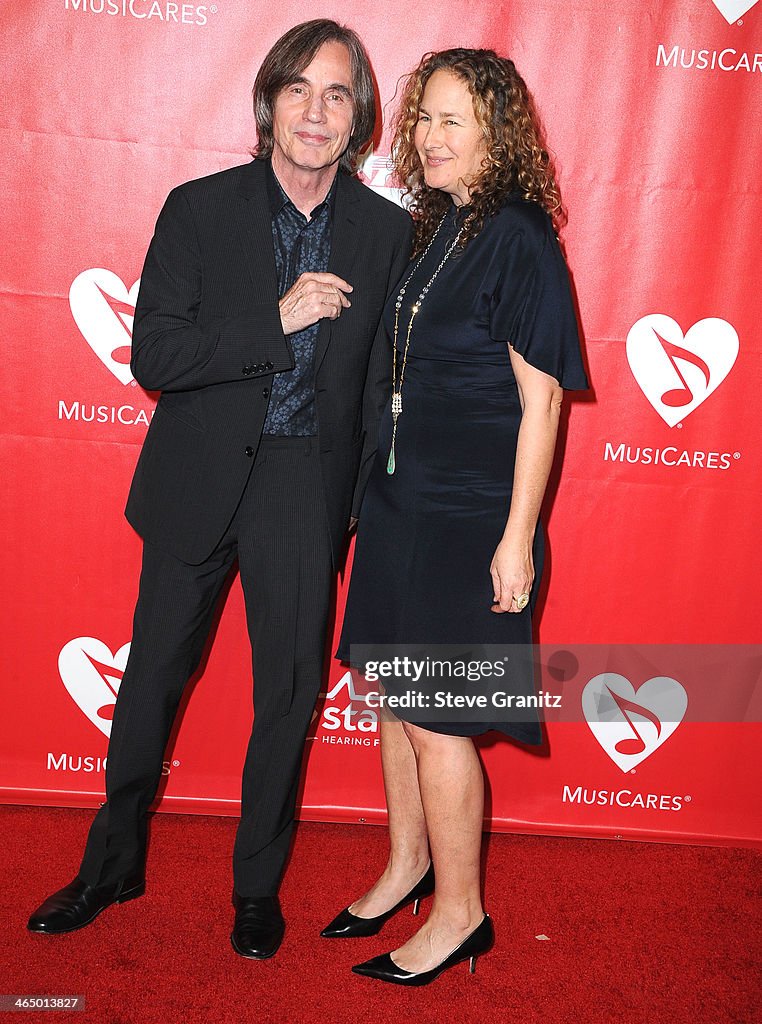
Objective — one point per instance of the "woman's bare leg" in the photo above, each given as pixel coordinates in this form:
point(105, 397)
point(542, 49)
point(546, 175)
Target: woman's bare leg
point(408, 843)
point(451, 786)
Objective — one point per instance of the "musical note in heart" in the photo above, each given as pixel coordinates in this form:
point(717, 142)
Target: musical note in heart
point(104, 310)
point(112, 677)
point(93, 674)
point(125, 314)
point(678, 397)
point(629, 730)
point(638, 744)
point(676, 371)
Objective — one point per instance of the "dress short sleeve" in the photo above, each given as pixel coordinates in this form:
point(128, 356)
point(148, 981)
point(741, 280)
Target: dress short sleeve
point(532, 307)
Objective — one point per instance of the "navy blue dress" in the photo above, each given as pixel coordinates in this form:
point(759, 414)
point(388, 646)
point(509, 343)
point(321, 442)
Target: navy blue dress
point(427, 534)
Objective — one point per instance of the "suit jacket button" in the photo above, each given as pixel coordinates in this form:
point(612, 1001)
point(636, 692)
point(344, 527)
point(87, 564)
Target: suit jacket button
point(246, 370)
point(249, 451)
point(268, 365)
point(260, 367)
point(265, 392)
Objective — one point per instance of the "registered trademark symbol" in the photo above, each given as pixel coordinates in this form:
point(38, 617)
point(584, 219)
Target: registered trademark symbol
point(213, 9)
point(736, 455)
point(633, 771)
point(175, 764)
point(679, 426)
point(739, 22)
point(133, 383)
point(688, 799)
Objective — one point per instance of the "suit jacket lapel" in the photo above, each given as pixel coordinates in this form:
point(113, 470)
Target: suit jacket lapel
point(255, 232)
point(345, 238)
point(255, 229)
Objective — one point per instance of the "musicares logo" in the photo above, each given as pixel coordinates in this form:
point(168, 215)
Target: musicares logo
point(104, 309)
point(631, 731)
point(678, 372)
point(696, 56)
point(732, 10)
point(168, 12)
point(92, 675)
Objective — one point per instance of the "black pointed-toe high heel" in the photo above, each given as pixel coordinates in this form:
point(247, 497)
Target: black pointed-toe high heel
point(383, 968)
point(348, 926)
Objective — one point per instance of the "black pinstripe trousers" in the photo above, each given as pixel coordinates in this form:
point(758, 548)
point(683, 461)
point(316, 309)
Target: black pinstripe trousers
point(279, 535)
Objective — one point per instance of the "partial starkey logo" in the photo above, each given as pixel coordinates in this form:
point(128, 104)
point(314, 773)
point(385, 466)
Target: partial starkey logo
point(375, 171)
point(676, 371)
point(92, 675)
point(732, 10)
point(104, 309)
point(631, 725)
point(344, 719)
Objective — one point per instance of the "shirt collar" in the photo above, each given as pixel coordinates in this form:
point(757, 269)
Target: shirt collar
point(278, 198)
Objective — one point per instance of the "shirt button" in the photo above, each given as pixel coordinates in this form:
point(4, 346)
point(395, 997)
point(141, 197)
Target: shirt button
point(265, 392)
point(249, 451)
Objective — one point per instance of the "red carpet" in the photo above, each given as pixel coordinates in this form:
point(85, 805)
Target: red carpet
point(638, 933)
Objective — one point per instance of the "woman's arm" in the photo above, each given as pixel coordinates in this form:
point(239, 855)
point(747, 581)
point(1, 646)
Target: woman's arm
point(541, 397)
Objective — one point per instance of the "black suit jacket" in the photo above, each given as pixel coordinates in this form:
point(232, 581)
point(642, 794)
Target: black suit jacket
point(207, 334)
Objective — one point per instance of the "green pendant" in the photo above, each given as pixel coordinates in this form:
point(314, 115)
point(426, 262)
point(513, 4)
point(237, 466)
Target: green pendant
point(390, 465)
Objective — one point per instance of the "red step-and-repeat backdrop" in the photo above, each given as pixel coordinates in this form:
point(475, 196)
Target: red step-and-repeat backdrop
point(653, 113)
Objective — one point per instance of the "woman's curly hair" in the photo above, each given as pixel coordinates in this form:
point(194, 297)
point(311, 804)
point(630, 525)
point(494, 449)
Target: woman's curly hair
point(516, 158)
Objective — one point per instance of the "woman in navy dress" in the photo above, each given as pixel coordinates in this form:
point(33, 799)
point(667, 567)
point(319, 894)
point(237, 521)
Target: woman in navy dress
point(449, 547)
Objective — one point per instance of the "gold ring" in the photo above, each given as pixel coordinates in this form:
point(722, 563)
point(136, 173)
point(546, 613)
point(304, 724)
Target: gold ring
point(521, 601)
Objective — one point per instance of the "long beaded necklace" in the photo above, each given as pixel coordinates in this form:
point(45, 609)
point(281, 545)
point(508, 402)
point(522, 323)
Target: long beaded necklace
point(391, 464)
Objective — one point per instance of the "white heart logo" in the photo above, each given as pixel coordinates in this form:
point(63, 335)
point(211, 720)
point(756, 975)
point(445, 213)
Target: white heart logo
point(92, 675)
point(677, 373)
point(104, 311)
point(732, 10)
point(629, 730)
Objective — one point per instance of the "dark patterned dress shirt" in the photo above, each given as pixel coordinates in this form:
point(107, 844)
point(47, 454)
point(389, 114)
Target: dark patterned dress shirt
point(300, 245)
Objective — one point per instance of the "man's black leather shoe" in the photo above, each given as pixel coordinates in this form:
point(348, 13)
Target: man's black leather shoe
point(259, 926)
point(78, 903)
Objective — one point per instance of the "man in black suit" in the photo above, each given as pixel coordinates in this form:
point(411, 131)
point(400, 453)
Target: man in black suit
point(258, 319)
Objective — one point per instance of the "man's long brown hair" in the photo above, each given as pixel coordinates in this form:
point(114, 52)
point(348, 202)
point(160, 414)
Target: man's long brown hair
point(286, 61)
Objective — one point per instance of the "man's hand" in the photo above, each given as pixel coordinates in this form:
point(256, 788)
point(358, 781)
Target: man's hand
point(312, 297)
